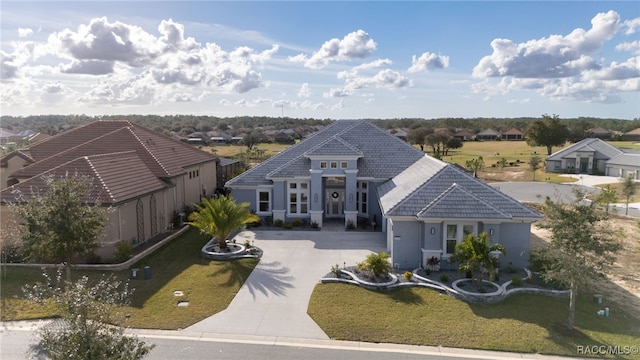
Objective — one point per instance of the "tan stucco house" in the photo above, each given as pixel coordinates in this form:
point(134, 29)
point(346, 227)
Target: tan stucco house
point(145, 178)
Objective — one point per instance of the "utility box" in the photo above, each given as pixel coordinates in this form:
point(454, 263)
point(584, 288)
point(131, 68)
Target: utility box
point(134, 273)
point(147, 272)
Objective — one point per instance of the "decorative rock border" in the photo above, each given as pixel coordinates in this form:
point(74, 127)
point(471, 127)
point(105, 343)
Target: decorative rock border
point(238, 254)
point(453, 291)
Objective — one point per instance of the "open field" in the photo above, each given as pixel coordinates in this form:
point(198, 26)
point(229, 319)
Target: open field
point(209, 286)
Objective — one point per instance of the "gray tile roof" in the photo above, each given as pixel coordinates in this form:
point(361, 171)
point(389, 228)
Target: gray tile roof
point(627, 159)
point(383, 155)
point(602, 150)
point(433, 189)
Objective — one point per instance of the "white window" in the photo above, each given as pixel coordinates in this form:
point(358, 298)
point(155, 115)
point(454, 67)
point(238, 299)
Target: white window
point(264, 201)
point(343, 164)
point(298, 198)
point(454, 234)
point(323, 164)
point(334, 165)
point(362, 197)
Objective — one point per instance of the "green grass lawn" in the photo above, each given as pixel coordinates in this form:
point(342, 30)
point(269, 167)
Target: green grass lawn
point(209, 286)
point(521, 323)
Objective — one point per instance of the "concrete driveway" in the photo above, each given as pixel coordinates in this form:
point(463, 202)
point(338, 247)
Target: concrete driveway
point(537, 191)
point(273, 301)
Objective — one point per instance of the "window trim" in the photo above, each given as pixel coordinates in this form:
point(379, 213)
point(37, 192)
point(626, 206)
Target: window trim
point(333, 164)
point(323, 164)
point(299, 191)
point(258, 201)
point(344, 165)
point(459, 234)
point(362, 188)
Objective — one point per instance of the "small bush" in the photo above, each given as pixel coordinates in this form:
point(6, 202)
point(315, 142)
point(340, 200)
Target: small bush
point(510, 270)
point(408, 275)
point(278, 223)
point(247, 243)
point(516, 281)
point(350, 225)
point(124, 249)
point(314, 225)
point(296, 222)
point(335, 269)
point(378, 264)
point(288, 225)
point(444, 278)
point(427, 271)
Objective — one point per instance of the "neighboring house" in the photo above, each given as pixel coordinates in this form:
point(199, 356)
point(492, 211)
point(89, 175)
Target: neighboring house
point(633, 135)
point(227, 169)
point(284, 137)
point(357, 173)
point(594, 156)
point(599, 133)
point(400, 133)
point(464, 135)
point(488, 134)
point(145, 178)
point(513, 135)
point(219, 137)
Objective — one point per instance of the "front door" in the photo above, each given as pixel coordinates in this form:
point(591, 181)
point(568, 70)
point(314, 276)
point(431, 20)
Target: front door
point(334, 202)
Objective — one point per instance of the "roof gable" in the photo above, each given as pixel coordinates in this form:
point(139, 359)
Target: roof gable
point(115, 178)
point(602, 150)
point(431, 195)
point(381, 155)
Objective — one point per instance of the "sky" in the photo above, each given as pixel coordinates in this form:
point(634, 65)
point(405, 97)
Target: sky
point(329, 59)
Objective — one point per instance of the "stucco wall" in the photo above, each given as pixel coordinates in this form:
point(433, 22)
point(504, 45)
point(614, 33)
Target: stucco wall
point(14, 164)
point(406, 251)
point(245, 195)
point(516, 238)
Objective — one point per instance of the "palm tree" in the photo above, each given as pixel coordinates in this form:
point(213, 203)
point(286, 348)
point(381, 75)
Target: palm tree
point(220, 217)
point(475, 255)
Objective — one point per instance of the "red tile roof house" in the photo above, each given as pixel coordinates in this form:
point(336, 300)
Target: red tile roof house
point(145, 177)
point(353, 172)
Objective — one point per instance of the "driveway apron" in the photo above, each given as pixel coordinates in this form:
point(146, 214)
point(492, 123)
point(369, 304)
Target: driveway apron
point(273, 301)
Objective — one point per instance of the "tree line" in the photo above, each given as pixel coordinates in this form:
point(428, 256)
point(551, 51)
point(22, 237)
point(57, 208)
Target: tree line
point(187, 124)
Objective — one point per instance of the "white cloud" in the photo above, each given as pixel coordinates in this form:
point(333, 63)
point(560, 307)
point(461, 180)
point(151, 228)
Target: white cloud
point(631, 25)
point(300, 58)
point(336, 92)
point(632, 47)
point(24, 32)
point(627, 70)
point(354, 45)
point(90, 67)
point(427, 62)
point(304, 91)
point(553, 57)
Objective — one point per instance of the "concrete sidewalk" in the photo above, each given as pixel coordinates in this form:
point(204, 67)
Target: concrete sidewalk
point(274, 299)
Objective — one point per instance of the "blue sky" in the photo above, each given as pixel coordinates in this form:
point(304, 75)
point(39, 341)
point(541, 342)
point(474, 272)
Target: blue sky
point(358, 59)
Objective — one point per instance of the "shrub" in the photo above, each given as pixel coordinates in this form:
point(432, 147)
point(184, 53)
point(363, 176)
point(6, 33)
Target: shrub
point(296, 222)
point(124, 249)
point(314, 225)
point(350, 225)
point(378, 264)
point(278, 223)
point(427, 271)
point(444, 278)
point(408, 275)
point(247, 243)
point(516, 281)
point(510, 270)
point(288, 225)
point(335, 269)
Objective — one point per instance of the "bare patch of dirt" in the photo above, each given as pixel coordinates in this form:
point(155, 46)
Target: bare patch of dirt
point(623, 284)
point(503, 176)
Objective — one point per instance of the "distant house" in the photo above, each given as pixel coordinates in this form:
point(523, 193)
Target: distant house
point(633, 135)
point(146, 178)
point(487, 134)
point(400, 133)
point(284, 137)
point(464, 135)
point(238, 139)
point(219, 137)
point(356, 173)
point(512, 135)
point(599, 133)
point(594, 156)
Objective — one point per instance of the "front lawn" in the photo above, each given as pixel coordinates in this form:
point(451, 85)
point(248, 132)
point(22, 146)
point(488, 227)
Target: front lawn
point(208, 286)
point(521, 323)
